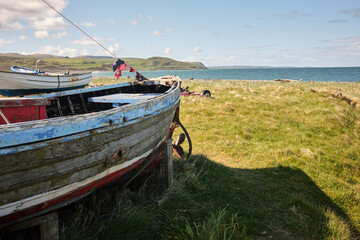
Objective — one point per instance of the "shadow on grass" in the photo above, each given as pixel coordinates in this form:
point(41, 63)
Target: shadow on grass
point(210, 201)
point(279, 202)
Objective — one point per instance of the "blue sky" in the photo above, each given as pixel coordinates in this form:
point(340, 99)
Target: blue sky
point(303, 33)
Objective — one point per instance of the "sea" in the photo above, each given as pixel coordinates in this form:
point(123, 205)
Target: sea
point(328, 74)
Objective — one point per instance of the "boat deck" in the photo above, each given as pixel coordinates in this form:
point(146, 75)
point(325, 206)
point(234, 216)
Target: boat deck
point(122, 98)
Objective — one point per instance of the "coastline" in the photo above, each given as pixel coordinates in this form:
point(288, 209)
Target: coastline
point(349, 74)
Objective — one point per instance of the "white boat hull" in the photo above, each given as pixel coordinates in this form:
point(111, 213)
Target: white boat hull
point(11, 82)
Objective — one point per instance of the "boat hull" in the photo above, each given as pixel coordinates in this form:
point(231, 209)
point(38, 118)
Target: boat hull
point(15, 84)
point(54, 169)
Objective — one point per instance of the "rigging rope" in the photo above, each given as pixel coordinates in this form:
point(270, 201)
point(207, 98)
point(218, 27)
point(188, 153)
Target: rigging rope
point(80, 29)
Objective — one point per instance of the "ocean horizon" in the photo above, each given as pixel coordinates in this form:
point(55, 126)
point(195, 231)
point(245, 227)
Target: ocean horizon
point(324, 74)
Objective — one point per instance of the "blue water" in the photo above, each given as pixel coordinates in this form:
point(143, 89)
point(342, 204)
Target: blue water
point(340, 74)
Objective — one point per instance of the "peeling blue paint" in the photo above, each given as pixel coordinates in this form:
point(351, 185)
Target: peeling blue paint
point(35, 134)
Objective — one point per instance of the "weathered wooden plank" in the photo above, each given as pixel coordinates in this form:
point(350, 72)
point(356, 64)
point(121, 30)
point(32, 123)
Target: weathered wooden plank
point(58, 149)
point(123, 97)
point(49, 226)
point(169, 174)
point(83, 103)
point(74, 177)
point(71, 163)
point(53, 176)
point(71, 105)
point(20, 102)
point(83, 90)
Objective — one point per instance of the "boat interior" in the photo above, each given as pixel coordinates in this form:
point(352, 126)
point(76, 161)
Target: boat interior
point(100, 99)
point(75, 102)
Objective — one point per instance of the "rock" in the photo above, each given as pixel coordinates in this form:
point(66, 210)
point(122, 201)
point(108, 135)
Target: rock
point(307, 153)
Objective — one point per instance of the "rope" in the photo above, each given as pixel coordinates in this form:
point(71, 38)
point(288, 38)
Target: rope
point(140, 75)
point(188, 137)
point(80, 29)
point(3, 116)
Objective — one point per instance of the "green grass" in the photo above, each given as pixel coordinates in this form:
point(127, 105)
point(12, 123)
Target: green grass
point(301, 133)
point(270, 161)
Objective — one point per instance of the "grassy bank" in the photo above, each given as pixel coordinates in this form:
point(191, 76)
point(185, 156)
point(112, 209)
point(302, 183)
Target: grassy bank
point(270, 161)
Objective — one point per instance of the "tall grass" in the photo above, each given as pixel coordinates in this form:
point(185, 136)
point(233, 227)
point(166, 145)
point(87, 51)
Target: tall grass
point(271, 161)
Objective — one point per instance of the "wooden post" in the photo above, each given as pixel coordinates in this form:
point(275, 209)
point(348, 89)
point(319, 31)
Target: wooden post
point(49, 226)
point(49, 229)
point(169, 174)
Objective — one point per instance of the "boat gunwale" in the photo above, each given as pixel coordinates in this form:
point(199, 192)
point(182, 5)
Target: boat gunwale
point(47, 75)
point(106, 115)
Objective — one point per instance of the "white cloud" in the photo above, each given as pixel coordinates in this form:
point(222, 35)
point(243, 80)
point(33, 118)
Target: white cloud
point(71, 52)
point(88, 24)
point(32, 12)
point(167, 51)
point(346, 49)
point(42, 34)
point(85, 41)
point(60, 34)
point(156, 33)
point(85, 52)
point(114, 49)
point(159, 34)
point(345, 40)
point(22, 37)
point(56, 23)
point(5, 25)
point(3, 42)
point(352, 49)
point(150, 18)
point(190, 59)
point(46, 34)
point(196, 49)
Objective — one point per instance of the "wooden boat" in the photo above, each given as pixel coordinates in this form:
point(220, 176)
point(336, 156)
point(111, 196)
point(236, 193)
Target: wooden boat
point(24, 81)
point(64, 145)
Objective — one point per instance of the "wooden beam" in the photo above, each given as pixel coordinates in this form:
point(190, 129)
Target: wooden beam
point(71, 105)
point(168, 158)
point(49, 226)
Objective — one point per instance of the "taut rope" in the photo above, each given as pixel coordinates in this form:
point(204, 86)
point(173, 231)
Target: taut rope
point(80, 29)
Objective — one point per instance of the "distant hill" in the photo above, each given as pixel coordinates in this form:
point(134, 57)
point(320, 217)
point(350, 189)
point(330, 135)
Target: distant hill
point(91, 63)
point(91, 56)
point(162, 63)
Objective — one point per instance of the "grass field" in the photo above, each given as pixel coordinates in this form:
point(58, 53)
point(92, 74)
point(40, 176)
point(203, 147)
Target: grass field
point(270, 161)
point(291, 152)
